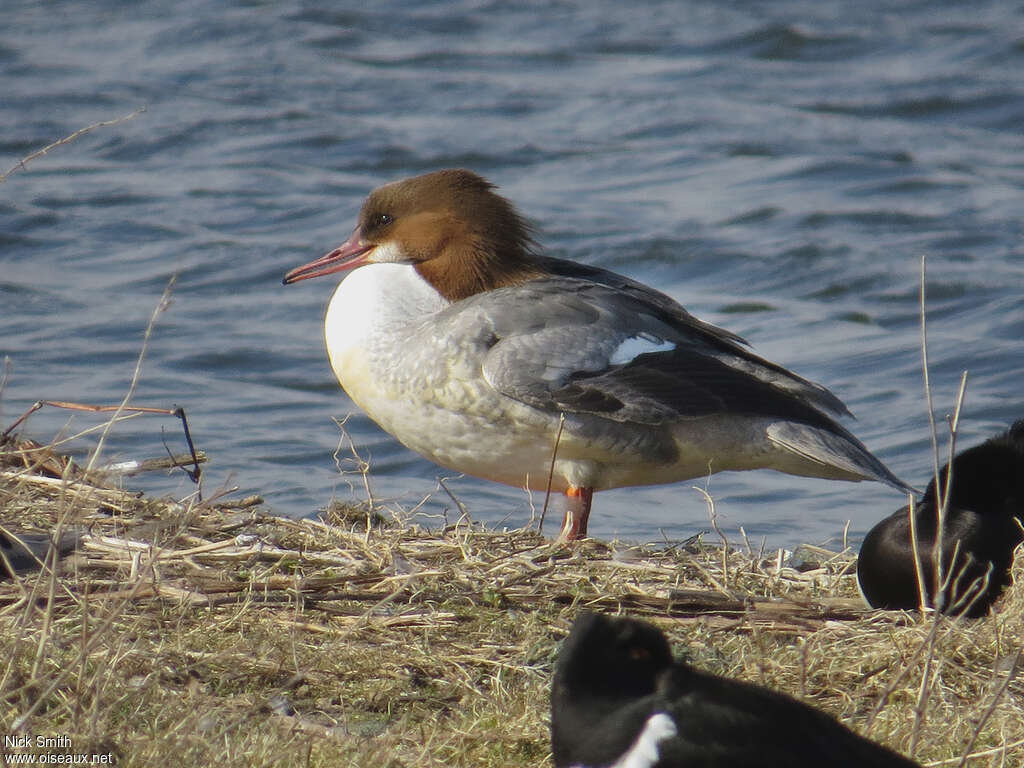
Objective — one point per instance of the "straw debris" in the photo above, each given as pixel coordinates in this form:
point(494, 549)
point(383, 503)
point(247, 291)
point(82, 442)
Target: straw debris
point(188, 632)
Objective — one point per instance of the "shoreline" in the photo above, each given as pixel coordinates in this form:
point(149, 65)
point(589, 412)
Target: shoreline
point(202, 632)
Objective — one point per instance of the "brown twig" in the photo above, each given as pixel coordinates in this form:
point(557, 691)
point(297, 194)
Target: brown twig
point(172, 461)
point(21, 164)
point(551, 471)
point(713, 517)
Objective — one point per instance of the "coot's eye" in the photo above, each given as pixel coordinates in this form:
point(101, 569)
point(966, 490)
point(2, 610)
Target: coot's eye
point(637, 653)
point(381, 220)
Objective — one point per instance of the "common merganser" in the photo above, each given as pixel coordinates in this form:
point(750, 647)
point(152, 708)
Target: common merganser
point(618, 700)
point(469, 346)
point(983, 527)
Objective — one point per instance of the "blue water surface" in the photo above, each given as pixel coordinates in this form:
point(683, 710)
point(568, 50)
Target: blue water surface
point(779, 168)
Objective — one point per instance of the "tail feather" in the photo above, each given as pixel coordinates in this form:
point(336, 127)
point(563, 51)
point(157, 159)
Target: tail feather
point(841, 451)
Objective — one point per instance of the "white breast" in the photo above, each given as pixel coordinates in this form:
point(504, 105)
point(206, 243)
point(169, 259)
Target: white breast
point(374, 302)
point(422, 381)
point(370, 324)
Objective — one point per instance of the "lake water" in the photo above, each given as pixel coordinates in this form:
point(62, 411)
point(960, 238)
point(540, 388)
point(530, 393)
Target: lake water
point(779, 168)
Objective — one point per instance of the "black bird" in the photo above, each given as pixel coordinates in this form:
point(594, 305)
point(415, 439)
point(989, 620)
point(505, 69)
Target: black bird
point(25, 552)
point(619, 701)
point(983, 526)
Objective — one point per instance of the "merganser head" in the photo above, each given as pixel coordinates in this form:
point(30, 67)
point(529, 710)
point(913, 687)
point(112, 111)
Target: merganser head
point(461, 236)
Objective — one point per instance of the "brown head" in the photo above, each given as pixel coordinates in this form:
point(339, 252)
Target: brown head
point(459, 233)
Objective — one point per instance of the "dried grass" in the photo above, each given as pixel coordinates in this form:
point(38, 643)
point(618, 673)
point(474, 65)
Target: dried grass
point(209, 632)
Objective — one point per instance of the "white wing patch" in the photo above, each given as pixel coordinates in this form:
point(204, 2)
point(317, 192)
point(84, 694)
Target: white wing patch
point(644, 751)
point(640, 344)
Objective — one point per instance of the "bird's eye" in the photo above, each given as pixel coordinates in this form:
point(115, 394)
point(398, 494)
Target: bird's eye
point(381, 220)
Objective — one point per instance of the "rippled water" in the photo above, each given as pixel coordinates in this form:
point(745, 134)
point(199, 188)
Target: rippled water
point(778, 168)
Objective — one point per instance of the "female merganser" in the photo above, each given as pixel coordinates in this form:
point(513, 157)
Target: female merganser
point(618, 700)
point(469, 346)
point(983, 527)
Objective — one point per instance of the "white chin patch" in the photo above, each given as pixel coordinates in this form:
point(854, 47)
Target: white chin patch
point(388, 253)
point(638, 345)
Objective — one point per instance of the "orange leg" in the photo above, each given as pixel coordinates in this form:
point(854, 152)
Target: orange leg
point(577, 511)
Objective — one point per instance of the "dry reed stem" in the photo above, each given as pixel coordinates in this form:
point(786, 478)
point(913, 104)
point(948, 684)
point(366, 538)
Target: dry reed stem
point(23, 163)
point(474, 615)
